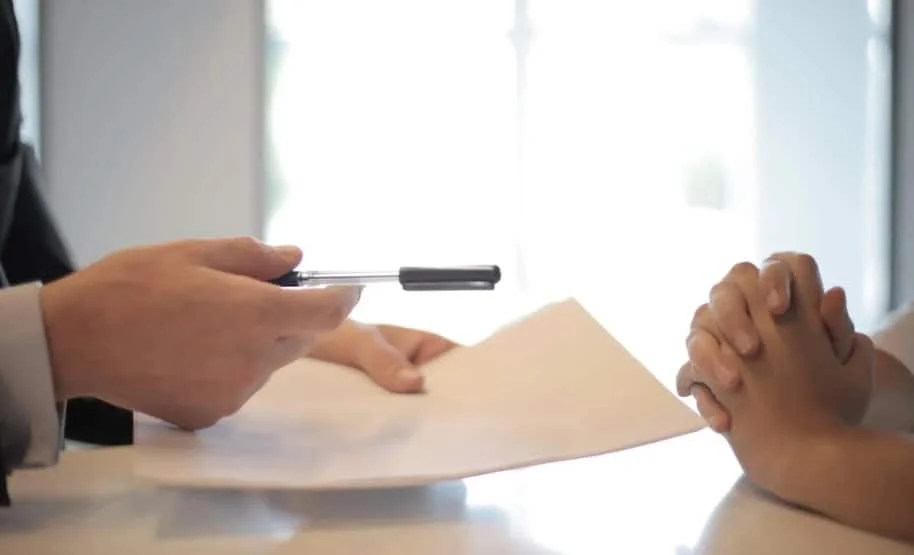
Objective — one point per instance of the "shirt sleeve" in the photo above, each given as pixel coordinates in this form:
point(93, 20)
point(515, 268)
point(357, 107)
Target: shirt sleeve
point(896, 336)
point(30, 419)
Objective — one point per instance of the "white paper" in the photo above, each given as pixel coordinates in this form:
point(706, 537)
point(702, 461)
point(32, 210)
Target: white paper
point(551, 387)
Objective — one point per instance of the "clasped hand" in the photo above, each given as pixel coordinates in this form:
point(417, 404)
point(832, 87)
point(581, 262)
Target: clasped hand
point(774, 360)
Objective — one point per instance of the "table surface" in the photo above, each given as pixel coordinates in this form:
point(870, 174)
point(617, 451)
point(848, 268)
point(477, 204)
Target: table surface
point(676, 497)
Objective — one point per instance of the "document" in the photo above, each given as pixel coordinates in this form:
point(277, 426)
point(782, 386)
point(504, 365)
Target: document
point(553, 386)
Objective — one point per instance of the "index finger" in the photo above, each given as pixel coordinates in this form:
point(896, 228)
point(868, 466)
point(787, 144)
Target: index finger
point(418, 346)
point(314, 310)
point(775, 282)
point(807, 281)
point(728, 307)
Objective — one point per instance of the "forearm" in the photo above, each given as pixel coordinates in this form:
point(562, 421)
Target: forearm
point(892, 402)
point(862, 478)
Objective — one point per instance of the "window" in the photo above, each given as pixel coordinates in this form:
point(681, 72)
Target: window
point(625, 153)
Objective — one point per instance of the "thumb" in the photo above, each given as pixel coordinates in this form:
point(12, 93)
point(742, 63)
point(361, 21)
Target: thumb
point(387, 366)
point(246, 256)
point(838, 322)
point(855, 391)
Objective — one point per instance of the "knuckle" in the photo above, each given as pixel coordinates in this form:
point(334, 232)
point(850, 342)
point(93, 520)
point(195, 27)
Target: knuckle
point(701, 373)
point(697, 347)
point(182, 247)
point(743, 270)
point(732, 324)
point(729, 380)
point(693, 337)
point(728, 308)
point(773, 270)
point(723, 294)
point(248, 245)
point(806, 263)
point(700, 317)
point(781, 256)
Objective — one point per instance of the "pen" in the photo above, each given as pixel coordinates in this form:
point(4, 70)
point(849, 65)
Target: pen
point(411, 278)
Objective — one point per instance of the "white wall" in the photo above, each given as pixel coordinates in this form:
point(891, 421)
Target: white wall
point(822, 88)
point(152, 126)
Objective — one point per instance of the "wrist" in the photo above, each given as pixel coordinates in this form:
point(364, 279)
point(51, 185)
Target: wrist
point(69, 381)
point(812, 466)
point(336, 345)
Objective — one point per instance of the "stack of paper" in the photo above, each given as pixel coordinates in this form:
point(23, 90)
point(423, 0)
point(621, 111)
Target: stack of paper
point(553, 386)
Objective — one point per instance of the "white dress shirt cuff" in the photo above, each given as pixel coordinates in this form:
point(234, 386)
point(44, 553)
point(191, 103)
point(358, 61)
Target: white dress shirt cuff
point(25, 369)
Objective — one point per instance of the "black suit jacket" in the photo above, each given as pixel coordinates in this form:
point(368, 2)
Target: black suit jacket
point(31, 248)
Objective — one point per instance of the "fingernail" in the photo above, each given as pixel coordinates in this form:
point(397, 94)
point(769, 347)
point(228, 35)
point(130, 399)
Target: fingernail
point(409, 375)
point(774, 300)
point(287, 251)
point(744, 343)
point(714, 422)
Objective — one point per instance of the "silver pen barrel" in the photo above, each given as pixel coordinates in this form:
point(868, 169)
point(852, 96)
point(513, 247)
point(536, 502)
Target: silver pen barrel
point(347, 278)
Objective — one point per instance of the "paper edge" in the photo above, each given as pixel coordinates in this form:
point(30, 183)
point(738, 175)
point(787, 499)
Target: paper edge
point(393, 483)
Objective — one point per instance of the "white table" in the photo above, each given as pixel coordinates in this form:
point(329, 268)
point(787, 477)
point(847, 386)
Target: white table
point(676, 497)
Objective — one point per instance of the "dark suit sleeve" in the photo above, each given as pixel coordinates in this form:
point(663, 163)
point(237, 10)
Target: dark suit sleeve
point(33, 249)
point(4, 471)
point(4, 491)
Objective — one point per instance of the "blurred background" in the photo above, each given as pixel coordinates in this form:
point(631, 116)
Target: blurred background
point(625, 153)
